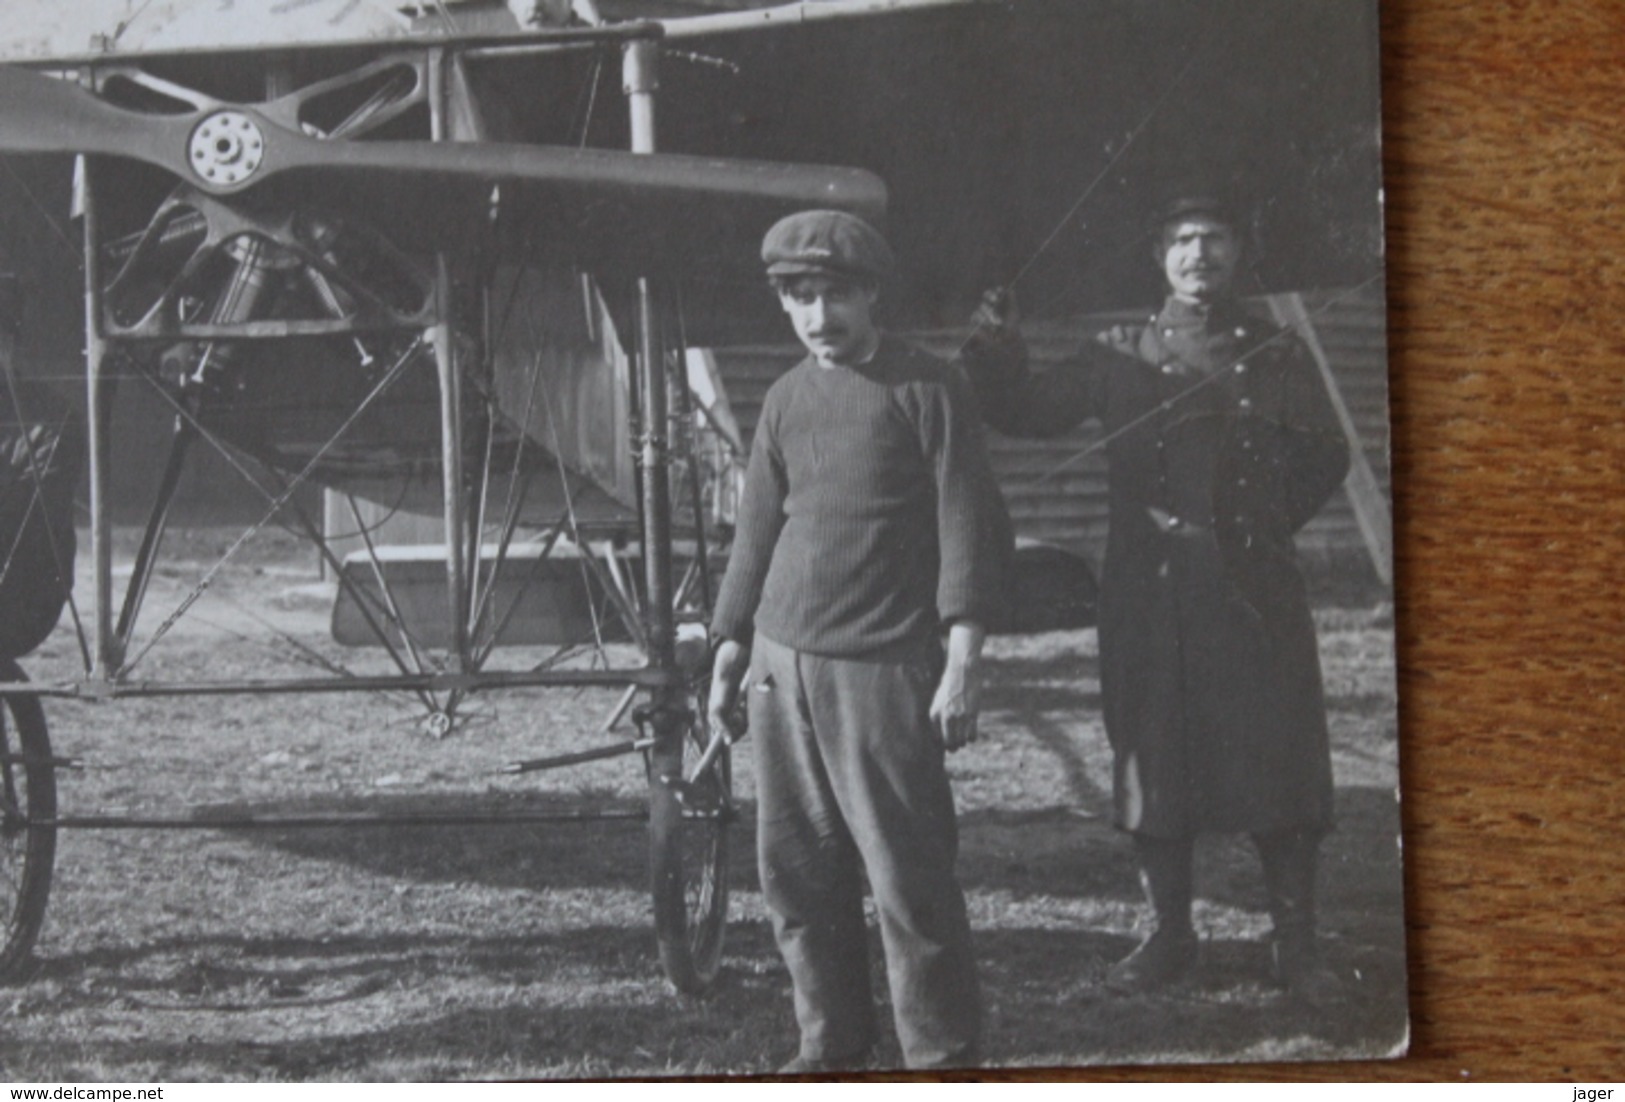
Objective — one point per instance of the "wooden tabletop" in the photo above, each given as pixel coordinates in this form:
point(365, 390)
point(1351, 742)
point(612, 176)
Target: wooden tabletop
point(1504, 149)
point(1505, 161)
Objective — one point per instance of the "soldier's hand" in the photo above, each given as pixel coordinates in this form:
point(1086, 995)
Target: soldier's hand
point(727, 672)
point(956, 704)
point(998, 311)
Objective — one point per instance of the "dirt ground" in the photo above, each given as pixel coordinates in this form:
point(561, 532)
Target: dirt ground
point(480, 952)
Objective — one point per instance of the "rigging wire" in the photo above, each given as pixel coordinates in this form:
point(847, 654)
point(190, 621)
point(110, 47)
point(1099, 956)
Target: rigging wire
point(50, 220)
point(1192, 53)
point(301, 652)
point(363, 528)
point(592, 99)
point(37, 499)
point(1200, 41)
point(384, 382)
point(564, 483)
point(1208, 380)
point(314, 535)
point(518, 482)
point(124, 25)
point(702, 550)
point(391, 610)
point(309, 529)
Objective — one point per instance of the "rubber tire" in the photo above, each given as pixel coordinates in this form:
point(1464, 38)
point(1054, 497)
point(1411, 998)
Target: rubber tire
point(27, 794)
point(689, 862)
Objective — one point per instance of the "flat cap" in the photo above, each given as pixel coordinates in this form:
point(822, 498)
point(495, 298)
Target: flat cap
point(826, 242)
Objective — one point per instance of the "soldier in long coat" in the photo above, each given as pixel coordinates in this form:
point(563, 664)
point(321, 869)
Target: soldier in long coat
point(1222, 444)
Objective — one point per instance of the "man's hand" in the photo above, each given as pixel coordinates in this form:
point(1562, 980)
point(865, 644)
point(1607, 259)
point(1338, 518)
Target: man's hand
point(959, 696)
point(727, 672)
point(998, 311)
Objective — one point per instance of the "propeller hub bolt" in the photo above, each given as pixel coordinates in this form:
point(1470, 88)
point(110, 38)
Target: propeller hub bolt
point(226, 148)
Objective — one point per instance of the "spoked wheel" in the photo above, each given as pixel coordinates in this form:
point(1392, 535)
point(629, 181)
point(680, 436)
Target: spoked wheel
point(27, 850)
point(689, 820)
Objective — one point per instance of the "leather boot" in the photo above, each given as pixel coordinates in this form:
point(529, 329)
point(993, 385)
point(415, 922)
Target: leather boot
point(1170, 951)
point(1291, 860)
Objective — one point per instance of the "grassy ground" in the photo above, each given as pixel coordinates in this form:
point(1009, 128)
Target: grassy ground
point(477, 952)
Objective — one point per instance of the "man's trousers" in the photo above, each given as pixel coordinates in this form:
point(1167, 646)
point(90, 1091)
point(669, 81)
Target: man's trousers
point(850, 779)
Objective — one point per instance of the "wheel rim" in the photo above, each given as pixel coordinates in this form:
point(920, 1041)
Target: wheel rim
point(27, 850)
point(689, 832)
point(705, 866)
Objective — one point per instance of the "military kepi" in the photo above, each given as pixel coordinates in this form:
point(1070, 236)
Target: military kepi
point(1212, 204)
point(826, 242)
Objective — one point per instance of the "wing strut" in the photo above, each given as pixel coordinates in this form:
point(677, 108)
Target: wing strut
point(108, 653)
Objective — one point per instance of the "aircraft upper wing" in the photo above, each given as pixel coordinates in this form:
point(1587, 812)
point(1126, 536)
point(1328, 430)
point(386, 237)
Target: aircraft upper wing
point(759, 15)
point(45, 30)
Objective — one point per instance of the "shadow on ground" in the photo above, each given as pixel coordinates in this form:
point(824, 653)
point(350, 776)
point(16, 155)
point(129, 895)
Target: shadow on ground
point(587, 1001)
point(1045, 1003)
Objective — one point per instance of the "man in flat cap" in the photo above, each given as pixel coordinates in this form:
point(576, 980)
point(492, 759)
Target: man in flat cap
point(1222, 443)
point(870, 535)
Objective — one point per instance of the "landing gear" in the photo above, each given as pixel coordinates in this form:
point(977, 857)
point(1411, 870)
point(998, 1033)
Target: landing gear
point(27, 800)
point(689, 819)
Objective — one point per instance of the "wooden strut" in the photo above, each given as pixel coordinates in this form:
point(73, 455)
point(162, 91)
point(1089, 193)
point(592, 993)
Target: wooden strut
point(580, 757)
point(1365, 494)
point(108, 652)
point(466, 682)
point(451, 405)
point(107, 673)
point(639, 81)
point(335, 819)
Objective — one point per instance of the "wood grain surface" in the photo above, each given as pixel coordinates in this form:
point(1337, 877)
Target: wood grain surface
point(1505, 161)
point(1504, 151)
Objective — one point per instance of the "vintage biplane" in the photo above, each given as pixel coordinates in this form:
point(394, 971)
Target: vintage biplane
point(409, 253)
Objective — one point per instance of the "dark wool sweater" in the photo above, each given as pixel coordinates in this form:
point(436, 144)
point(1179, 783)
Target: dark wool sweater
point(870, 516)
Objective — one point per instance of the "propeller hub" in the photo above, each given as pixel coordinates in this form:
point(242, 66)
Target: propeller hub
point(226, 148)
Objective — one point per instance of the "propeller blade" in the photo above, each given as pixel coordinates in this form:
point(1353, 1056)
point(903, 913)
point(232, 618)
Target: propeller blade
point(598, 174)
point(41, 114)
point(232, 148)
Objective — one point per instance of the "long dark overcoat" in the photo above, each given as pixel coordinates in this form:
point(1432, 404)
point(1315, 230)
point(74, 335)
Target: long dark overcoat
point(1223, 442)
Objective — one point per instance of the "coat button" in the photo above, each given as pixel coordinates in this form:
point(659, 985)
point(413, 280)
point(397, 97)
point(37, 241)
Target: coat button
point(1167, 332)
point(1241, 482)
point(1240, 332)
point(1241, 368)
point(1245, 404)
point(1167, 369)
